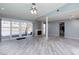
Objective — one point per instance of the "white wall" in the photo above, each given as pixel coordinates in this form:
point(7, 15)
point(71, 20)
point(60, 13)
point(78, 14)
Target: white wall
point(53, 28)
point(34, 27)
point(37, 25)
point(72, 29)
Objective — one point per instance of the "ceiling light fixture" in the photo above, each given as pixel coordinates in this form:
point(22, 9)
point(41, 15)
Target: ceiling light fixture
point(33, 9)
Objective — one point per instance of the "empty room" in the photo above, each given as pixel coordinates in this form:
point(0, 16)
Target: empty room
point(39, 28)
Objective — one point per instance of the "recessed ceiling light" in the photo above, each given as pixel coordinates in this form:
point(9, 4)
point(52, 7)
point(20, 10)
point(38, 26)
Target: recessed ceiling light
point(2, 8)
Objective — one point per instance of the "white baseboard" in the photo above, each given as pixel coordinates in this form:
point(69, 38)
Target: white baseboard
point(66, 37)
point(52, 35)
point(72, 37)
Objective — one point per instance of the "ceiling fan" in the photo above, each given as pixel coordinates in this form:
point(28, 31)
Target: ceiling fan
point(33, 9)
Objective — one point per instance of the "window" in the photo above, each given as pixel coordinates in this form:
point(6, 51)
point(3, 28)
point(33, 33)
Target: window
point(5, 28)
point(26, 28)
point(29, 28)
point(23, 28)
point(15, 28)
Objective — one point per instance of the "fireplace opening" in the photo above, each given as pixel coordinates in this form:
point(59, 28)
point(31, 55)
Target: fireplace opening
point(39, 32)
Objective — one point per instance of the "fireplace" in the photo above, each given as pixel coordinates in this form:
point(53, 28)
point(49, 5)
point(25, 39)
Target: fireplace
point(39, 32)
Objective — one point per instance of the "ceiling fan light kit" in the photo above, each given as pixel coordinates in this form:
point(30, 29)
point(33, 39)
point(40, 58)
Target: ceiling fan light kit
point(33, 9)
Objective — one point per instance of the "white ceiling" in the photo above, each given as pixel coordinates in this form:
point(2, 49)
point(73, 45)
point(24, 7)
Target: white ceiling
point(67, 11)
point(22, 11)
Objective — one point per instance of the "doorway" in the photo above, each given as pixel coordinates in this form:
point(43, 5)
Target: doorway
point(61, 29)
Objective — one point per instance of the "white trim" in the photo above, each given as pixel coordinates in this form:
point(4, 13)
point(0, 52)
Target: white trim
point(20, 30)
point(10, 30)
point(12, 19)
point(67, 37)
point(46, 28)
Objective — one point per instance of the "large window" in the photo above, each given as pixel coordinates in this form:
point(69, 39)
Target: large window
point(23, 28)
point(26, 28)
point(5, 28)
point(29, 28)
point(15, 28)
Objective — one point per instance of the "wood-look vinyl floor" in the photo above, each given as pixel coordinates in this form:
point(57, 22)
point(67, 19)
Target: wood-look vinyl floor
point(40, 46)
